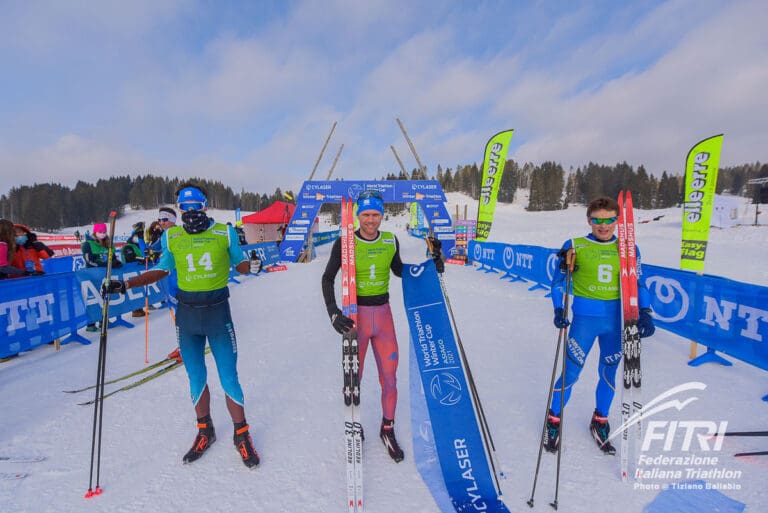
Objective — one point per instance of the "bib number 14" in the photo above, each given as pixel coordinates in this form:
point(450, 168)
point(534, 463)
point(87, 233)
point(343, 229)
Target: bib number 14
point(204, 261)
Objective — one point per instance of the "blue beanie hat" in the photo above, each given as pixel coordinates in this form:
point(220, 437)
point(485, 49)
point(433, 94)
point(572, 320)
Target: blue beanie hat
point(370, 203)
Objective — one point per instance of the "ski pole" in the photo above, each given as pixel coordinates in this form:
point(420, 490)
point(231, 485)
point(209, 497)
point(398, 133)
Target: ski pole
point(98, 407)
point(146, 314)
point(570, 259)
point(561, 336)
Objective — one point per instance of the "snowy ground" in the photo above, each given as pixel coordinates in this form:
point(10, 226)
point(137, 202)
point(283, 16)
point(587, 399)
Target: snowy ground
point(290, 370)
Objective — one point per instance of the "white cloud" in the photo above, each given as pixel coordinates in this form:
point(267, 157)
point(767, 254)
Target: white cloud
point(252, 104)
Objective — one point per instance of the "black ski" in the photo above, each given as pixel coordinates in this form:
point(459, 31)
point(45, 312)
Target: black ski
point(743, 433)
point(753, 453)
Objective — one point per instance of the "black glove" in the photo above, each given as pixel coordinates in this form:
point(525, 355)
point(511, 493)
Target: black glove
point(561, 321)
point(112, 287)
point(645, 323)
point(341, 323)
point(435, 245)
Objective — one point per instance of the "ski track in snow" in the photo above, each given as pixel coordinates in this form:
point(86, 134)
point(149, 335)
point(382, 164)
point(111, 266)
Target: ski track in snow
point(290, 369)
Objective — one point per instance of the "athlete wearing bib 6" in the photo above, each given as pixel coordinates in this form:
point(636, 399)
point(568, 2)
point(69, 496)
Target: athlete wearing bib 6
point(596, 315)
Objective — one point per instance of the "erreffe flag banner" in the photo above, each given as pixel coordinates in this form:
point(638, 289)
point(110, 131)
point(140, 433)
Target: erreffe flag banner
point(493, 168)
point(700, 179)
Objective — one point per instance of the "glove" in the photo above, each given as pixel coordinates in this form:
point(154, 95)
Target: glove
point(437, 257)
point(112, 287)
point(560, 320)
point(341, 323)
point(645, 323)
point(256, 263)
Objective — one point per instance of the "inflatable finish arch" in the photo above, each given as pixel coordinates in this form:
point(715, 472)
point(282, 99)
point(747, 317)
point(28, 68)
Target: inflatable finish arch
point(427, 193)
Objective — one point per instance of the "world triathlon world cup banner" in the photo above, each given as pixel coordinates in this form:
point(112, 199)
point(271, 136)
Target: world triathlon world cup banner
point(313, 194)
point(450, 437)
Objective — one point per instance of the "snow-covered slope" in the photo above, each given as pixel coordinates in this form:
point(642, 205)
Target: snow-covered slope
point(289, 363)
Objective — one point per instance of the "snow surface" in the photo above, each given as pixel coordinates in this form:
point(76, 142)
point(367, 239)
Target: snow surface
point(289, 366)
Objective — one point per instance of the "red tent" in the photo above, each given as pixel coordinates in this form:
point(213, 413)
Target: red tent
point(278, 212)
point(268, 224)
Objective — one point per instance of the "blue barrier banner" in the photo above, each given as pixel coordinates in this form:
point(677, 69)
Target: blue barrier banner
point(63, 264)
point(722, 314)
point(320, 238)
point(90, 290)
point(268, 252)
point(37, 310)
point(531, 263)
point(459, 445)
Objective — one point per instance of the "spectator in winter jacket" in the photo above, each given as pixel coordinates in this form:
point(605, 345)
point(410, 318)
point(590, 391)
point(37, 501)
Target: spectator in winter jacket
point(8, 251)
point(132, 252)
point(29, 250)
point(95, 248)
point(96, 254)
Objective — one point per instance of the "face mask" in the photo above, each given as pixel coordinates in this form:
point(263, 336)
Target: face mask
point(21, 240)
point(195, 221)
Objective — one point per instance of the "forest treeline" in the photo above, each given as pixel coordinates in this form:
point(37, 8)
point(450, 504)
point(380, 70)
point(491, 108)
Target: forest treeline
point(52, 206)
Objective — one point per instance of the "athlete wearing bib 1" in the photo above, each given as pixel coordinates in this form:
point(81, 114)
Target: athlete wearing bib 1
point(377, 254)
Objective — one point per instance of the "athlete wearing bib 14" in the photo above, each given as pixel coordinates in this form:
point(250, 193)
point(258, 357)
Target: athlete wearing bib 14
point(596, 315)
point(201, 252)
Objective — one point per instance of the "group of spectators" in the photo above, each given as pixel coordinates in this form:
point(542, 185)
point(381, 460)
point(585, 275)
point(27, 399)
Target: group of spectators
point(20, 251)
point(143, 246)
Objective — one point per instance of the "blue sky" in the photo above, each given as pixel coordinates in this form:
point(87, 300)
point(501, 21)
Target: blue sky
point(246, 92)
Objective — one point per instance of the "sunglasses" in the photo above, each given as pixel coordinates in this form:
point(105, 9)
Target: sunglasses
point(163, 219)
point(603, 220)
point(370, 193)
point(191, 205)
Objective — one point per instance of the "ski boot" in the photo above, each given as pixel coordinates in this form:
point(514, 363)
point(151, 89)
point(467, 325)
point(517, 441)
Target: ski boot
point(600, 429)
point(175, 355)
point(387, 434)
point(552, 433)
point(244, 445)
point(206, 435)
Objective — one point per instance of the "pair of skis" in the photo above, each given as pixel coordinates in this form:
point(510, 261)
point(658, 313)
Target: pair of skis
point(353, 429)
point(748, 433)
point(165, 361)
point(163, 367)
point(6, 458)
point(631, 399)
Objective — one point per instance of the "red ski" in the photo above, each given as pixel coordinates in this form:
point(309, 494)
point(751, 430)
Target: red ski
point(353, 429)
point(631, 405)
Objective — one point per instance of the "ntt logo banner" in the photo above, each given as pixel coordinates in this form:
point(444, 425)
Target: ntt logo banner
point(517, 261)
